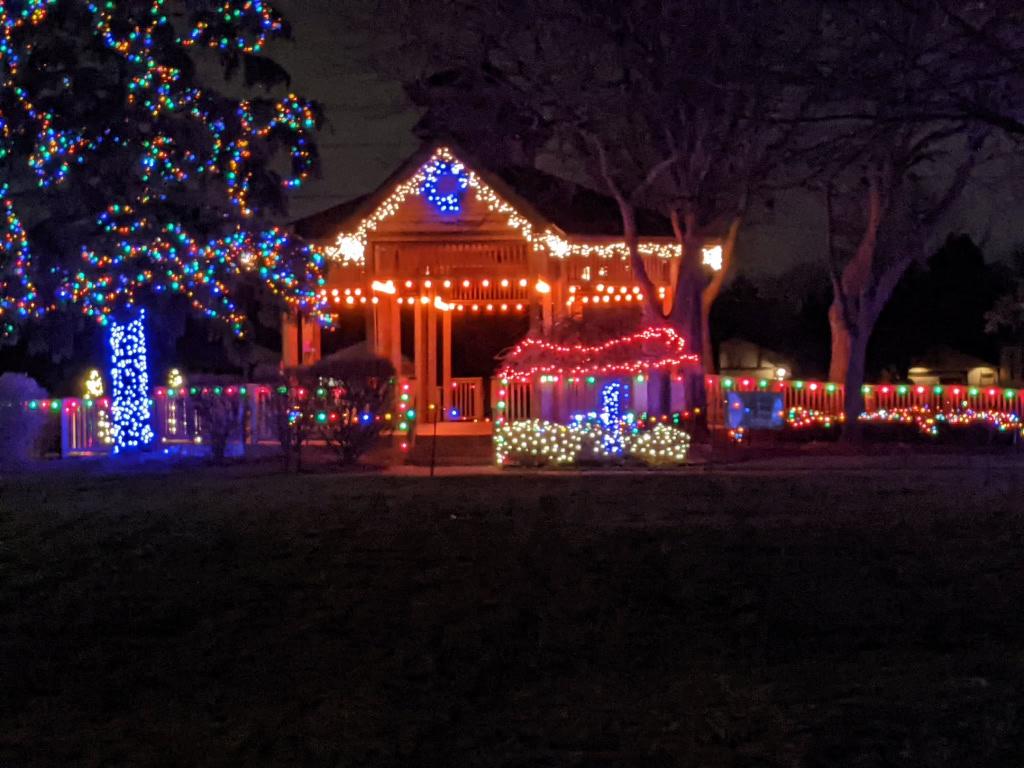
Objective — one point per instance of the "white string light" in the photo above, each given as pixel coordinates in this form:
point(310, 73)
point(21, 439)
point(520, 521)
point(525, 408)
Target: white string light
point(350, 247)
point(713, 257)
point(538, 443)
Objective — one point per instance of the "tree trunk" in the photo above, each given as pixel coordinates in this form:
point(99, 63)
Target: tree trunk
point(710, 293)
point(697, 403)
point(707, 350)
point(841, 344)
point(853, 400)
point(687, 317)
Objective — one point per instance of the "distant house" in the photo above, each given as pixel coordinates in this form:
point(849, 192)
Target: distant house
point(944, 365)
point(739, 357)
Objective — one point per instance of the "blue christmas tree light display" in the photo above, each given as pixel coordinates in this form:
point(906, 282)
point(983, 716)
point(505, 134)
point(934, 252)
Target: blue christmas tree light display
point(444, 186)
point(130, 380)
point(611, 416)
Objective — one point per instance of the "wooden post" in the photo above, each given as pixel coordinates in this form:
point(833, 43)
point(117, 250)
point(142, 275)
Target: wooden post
point(420, 364)
point(310, 341)
point(67, 424)
point(395, 312)
point(375, 330)
point(432, 355)
point(561, 291)
point(547, 313)
point(289, 340)
point(446, 362)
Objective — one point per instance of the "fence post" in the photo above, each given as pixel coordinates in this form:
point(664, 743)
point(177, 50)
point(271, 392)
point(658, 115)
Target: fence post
point(66, 426)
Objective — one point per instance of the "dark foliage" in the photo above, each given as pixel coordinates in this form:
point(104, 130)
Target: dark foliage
point(348, 397)
point(223, 414)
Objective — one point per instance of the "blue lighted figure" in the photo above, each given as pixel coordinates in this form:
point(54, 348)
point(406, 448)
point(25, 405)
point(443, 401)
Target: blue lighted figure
point(130, 385)
point(444, 186)
point(611, 416)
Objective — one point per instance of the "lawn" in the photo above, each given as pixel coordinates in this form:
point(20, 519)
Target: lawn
point(756, 618)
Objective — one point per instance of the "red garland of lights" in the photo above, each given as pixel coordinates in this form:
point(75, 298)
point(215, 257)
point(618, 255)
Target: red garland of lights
point(584, 360)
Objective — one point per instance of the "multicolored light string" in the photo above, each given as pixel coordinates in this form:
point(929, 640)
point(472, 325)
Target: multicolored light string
point(136, 245)
point(929, 422)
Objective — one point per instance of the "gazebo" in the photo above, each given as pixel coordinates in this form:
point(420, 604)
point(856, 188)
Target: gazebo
point(447, 256)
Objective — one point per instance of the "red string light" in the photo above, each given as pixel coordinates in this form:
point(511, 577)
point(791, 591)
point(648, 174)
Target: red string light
point(586, 360)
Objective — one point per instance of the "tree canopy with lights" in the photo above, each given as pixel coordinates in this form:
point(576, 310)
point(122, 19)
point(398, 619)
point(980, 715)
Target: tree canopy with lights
point(129, 175)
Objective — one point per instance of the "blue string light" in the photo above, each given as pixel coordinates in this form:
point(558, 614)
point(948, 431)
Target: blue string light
point(130, 384)
point(611, 416)
point(444, 186)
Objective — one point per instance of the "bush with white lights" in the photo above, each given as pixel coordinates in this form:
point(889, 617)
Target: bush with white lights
point(537, 443)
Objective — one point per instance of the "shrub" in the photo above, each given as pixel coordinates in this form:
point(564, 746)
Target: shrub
point(346, 399)
point(287, 419)
point(222, 407)
point(538, 443)
point(20, 427)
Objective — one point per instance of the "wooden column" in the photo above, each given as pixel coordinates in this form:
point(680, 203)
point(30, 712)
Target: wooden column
point(446, 362)
point(431, 318)
point(547, 401)
point(395, 312)
point(299, 345)
point(310, 341)
point(560, 288)
point(420, 363)
point(547, 312)
point(375, 330)
point(289, 339)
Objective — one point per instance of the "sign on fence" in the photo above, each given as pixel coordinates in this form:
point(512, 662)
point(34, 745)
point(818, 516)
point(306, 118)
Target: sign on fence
point(754, 410)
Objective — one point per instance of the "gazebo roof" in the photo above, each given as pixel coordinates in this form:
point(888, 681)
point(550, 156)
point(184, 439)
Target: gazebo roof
point(545, 200)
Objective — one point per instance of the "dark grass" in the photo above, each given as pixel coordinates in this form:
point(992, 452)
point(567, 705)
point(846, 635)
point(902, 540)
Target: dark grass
point(233, 617)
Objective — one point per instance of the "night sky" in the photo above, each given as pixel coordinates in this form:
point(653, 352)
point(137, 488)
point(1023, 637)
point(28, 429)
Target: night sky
point(368, 135)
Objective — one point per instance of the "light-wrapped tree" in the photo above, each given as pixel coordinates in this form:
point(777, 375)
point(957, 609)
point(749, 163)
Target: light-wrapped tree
point(131, 178)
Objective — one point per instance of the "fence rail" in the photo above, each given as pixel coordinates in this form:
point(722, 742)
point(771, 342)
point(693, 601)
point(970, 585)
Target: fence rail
point(85, 427)
point(511, 400)
point(828, 397)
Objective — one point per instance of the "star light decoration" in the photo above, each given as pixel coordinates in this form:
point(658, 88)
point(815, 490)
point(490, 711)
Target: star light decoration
point(133, 247)
point(94, 396)
point(94, 385)
point(350, 247)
